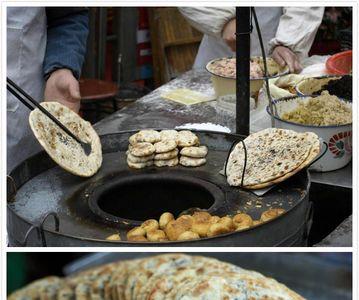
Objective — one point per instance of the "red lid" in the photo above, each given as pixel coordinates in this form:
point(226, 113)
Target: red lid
point(340, 63)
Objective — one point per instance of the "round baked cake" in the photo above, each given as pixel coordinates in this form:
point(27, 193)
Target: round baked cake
point(62, 148)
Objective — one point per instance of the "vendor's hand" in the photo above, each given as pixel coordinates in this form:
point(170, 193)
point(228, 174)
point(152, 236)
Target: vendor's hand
point(64, 88)
point(229, 34)
point(284, 56)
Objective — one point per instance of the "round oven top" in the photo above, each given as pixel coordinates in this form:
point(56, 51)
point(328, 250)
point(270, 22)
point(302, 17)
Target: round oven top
point(118, 198)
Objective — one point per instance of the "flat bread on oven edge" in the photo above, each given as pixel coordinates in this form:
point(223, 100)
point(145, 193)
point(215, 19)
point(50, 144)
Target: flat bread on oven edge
point(273, 155)
point(64, 150)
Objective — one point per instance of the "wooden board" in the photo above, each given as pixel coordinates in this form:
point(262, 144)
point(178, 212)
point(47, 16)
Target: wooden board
point(174, 43)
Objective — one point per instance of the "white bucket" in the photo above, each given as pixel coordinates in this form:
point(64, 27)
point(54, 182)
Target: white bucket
point(338, 137)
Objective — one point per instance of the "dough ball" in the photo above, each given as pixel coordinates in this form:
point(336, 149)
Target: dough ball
point(165, 219)
point(138, 238)
point(215, 219)
point(201, 227)
point(271, 214)
point(226, 221)
point(114, 237)
point(186, 218)
point(188, 235)
point(242, 221)
point(176, 227)
point(257, 222)
point(149, 225)
point(137, 231)
point(202, 216)
point(156, 235)
point(216, 229)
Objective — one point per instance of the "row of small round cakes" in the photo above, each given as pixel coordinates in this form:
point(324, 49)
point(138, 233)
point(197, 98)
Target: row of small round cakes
point(201, 224)
point(166, 148)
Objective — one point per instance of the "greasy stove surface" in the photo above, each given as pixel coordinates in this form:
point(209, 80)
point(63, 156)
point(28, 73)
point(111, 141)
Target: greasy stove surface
point(55, 190)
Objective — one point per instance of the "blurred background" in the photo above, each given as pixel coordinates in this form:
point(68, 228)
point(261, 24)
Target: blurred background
point(132, 50)
point(315, 276)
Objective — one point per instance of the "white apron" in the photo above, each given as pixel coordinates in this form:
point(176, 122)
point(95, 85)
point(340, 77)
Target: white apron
point(212, 47)
point(26, 44)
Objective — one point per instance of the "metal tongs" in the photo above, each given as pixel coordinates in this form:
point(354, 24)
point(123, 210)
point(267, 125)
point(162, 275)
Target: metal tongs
point(30, 103)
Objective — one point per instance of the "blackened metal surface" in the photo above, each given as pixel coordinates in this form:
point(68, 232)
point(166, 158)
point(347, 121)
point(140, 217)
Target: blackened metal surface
point(43, 188)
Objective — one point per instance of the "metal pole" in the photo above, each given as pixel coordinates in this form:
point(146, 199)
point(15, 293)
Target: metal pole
point(243, 57)
point(102, 42)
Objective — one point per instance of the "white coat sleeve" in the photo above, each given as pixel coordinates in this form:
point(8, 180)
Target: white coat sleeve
point(297, 29)
point(209, 20)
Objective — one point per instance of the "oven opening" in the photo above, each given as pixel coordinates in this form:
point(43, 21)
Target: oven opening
point(139, 198)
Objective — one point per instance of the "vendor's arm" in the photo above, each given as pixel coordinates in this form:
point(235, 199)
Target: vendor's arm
point(67, 33)
point(295, 35)
point(214, 21)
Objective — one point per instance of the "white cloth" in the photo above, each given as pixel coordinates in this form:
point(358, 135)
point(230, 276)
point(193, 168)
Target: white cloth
point(259, 118)
point(293, 27)
point(26, 45)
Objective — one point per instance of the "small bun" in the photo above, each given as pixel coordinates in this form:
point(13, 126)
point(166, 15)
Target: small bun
point(156, 235)
point(165, 219)
point(149, 225)
point(188, 235)
point(216, 229)
point(137, 231)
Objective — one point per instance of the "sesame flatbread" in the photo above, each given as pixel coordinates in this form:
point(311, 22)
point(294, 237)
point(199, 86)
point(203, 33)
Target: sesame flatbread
point(166, 155)
point(191, 162)
point(166, 163)
point(139, 159)
point(140, 165)
point(161, 277)
point(169, 134)
point(145, 136)
point(149, 267)
point(64, 150)
point(272, 155)
point(195, 152)
point(314, 152)
point(38, 289)
point(142, 149)
point(165, 146)
point(187, 138)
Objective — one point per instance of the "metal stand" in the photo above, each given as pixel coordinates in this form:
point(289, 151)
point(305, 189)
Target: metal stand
point(243, 26)
point(40, 230)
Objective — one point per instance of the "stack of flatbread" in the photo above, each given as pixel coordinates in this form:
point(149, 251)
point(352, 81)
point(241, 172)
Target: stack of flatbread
point(200, 224)
point(273, 155)
point(150, 147)
point(193, 156)
point(162, 277)
point(63, 149)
